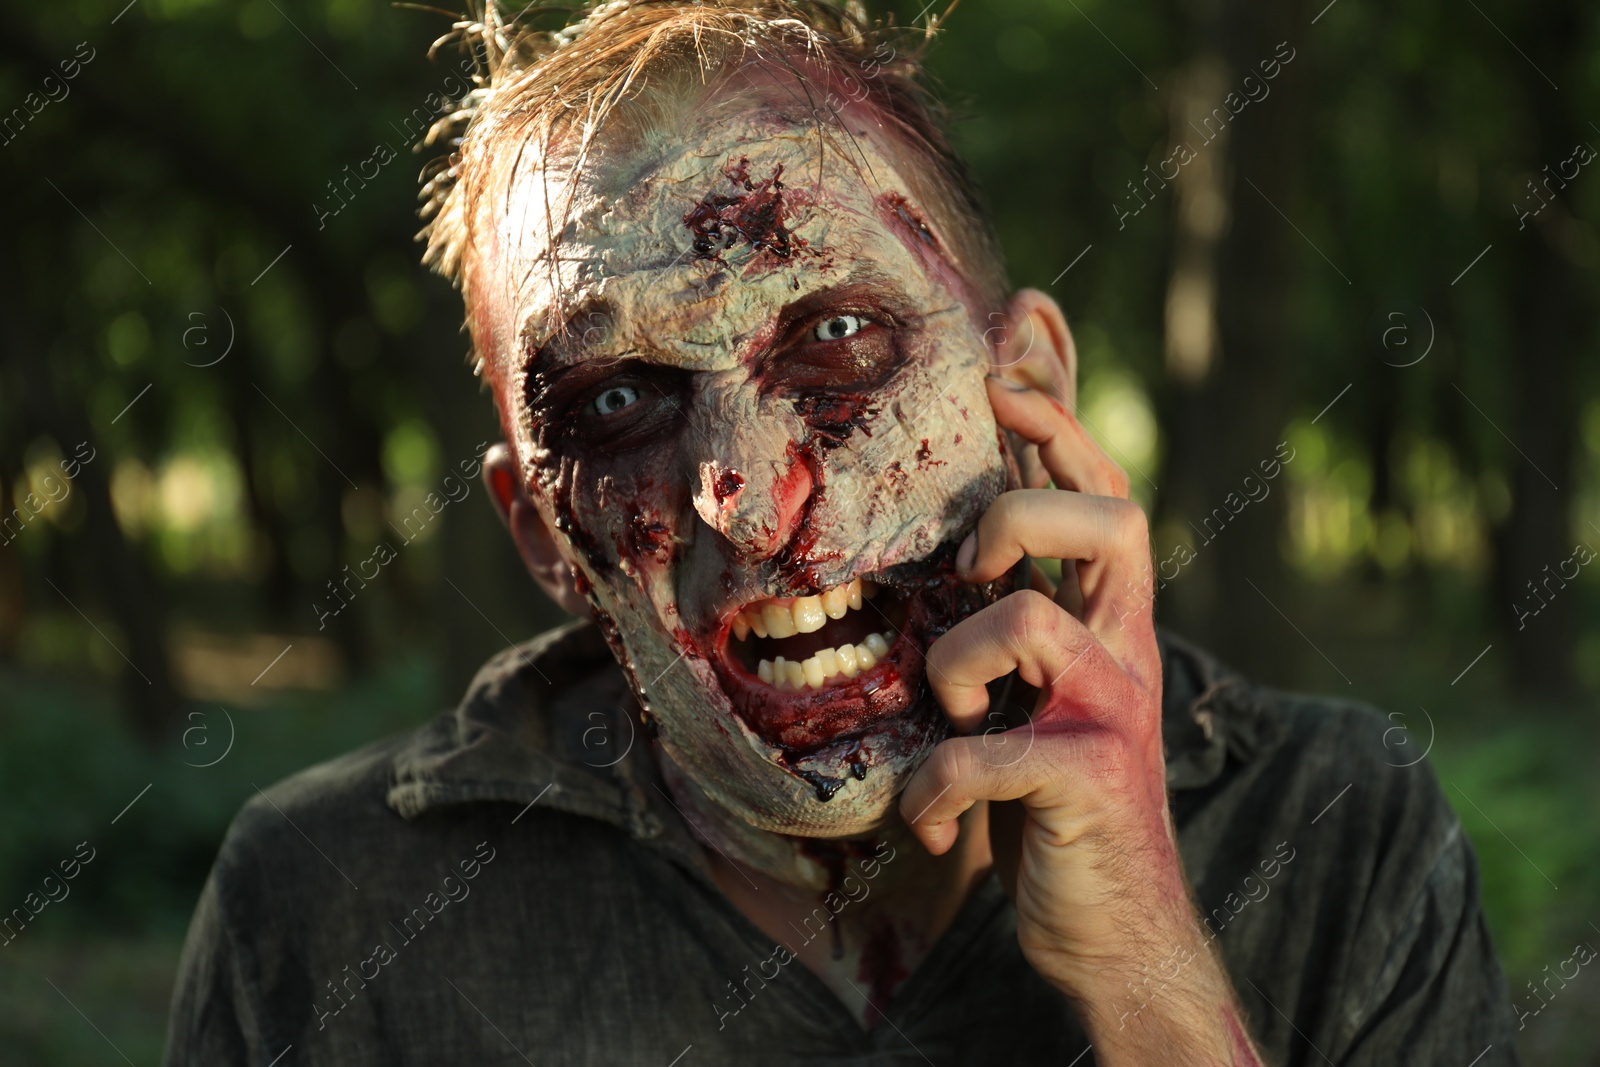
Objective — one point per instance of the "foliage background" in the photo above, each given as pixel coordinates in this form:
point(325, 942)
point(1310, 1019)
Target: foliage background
point(172, 198)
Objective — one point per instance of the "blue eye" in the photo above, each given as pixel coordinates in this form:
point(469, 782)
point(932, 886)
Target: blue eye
point(838, 327)
point(614, 399)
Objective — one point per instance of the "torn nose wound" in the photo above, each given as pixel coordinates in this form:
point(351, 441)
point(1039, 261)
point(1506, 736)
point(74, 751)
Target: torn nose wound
point(756, 513)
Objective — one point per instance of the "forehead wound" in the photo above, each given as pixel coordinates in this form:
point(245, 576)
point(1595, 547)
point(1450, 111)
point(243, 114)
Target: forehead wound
point(698, 245)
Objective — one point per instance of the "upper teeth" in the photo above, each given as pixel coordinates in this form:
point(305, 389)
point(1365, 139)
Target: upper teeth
point(780, 618)
point(802, 615)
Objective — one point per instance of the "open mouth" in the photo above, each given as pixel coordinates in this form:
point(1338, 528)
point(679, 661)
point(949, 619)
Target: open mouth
point(835, 679)
point(821, 672)
point(816, 642)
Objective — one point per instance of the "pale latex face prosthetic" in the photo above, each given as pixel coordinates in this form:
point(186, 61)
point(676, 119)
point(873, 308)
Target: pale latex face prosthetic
point(751, 400)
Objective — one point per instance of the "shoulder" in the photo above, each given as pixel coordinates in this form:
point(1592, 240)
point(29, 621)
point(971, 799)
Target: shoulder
point(279, 910)
point(316, 816)
point(1344, 770)
point(1328, 864)
point(1327, 761)
point(1340, 785)
point(314, 866)
point(411, 792)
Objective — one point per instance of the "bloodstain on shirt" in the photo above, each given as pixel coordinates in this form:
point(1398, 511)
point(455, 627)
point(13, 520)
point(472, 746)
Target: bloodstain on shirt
point(881, 969)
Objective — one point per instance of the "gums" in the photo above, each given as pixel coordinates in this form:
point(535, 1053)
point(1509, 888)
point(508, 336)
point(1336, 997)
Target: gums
point(757, 216)
point(809, 728)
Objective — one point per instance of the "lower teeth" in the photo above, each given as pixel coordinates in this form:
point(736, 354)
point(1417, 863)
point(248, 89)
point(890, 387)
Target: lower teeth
point(814, 671)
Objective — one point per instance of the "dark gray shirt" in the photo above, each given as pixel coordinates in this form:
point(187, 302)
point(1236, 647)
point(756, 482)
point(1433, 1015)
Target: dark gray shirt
point(506, 885)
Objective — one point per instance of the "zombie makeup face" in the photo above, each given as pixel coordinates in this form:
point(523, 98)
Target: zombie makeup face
point(750, 396)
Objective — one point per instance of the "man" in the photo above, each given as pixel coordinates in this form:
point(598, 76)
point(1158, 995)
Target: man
point(830, 771)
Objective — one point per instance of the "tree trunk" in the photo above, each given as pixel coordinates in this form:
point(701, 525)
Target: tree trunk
point(119, 580)
point(1554, 320)
point(1228, 336)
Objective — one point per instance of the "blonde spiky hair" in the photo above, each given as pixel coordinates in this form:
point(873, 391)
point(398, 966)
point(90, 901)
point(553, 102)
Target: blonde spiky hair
point(536, 87)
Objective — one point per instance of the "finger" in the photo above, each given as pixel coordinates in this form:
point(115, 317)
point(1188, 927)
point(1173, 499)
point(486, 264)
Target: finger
point(1052, 524)
point(1025, 632)
point(1107, 536)
point(950, 781)
point(1072, 458)
point(965, 770)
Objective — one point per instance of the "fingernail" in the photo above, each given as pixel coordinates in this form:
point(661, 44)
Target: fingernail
point(967, 554)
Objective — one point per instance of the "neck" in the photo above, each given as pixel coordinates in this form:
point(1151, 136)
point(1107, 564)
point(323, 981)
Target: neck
point(859, 912)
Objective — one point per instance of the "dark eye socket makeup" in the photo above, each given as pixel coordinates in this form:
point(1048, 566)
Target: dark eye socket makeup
point(620, 404)
point(849, 348)
point(842, 340)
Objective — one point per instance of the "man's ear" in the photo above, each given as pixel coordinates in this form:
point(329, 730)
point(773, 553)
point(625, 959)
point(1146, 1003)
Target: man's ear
point(535, 541)
point(1034, 347)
